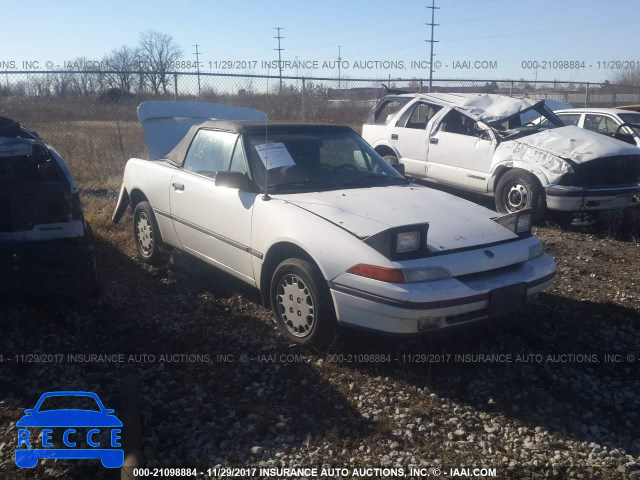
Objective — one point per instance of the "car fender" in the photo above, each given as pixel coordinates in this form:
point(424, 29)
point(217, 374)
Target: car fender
point(332, 248)
point(385, 143)
point(547, 167)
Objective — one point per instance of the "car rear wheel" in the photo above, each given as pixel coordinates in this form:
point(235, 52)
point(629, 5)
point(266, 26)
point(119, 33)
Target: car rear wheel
point(301, 303)
point(147, 235)
point(518, 189)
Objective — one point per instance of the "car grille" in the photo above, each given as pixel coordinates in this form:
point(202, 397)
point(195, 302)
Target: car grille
point(607, 171)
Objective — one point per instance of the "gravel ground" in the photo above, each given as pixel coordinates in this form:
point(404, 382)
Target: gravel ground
point(553, 393)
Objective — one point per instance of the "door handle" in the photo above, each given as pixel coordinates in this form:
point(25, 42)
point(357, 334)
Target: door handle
point(178, 186)
point(433, 140)
point(394, 136)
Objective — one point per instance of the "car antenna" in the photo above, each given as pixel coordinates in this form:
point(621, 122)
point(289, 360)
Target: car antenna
point(266, 144)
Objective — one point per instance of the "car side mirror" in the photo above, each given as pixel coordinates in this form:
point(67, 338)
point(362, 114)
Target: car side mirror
point(29, 411)
point(399, 167)
point(236, 180)
point(109, 411)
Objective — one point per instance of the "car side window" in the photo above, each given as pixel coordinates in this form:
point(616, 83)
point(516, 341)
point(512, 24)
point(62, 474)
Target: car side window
point(455, 122)
point(210, 152)
point(418, 117)
point(385, 112)
point(600, 123)
point(569, 118)
point(239, 159)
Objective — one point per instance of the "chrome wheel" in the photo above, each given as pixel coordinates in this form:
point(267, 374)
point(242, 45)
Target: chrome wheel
point(296, 305)
point(144, 234)
point(517, 198)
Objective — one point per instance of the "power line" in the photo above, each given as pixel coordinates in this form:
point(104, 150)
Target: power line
point(339, 63)
point(431, 41)
point(197, 54)
point(279, 54)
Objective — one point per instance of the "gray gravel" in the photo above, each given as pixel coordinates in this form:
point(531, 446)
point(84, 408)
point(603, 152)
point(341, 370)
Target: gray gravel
point(575, 416)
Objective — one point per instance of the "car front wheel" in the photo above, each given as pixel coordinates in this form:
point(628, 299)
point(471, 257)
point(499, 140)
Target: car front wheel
point(301, 303)
point(518, 189)
point(147, 235)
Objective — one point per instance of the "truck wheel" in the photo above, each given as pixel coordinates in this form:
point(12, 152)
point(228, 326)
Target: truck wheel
point(518, 189)
point(147, 235)
point(302, 304)
point(391, 159)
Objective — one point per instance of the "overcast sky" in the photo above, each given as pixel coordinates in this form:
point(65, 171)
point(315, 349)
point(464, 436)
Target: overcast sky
point(471, 34)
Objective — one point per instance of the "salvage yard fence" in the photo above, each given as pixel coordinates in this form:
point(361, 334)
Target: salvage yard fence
point(90, 116)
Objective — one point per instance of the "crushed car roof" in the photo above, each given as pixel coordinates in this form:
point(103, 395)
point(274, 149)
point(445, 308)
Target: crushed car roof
point(482, 106)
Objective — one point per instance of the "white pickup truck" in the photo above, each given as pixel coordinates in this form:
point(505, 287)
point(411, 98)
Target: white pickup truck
point(516, 150)
point(329, 232)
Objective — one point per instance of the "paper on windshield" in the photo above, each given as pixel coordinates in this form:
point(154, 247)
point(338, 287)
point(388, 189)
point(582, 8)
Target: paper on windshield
point(276, 154)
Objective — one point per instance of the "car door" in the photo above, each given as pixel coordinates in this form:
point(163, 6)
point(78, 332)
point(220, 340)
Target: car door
point(213, 222)
point(460, 152)
point(411, 137)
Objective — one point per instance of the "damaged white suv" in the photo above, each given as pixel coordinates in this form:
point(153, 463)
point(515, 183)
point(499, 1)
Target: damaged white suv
point(497, 145)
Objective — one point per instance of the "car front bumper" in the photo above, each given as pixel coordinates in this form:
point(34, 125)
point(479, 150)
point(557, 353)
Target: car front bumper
point(60, 267)
point(440, 304)
point(573, 199)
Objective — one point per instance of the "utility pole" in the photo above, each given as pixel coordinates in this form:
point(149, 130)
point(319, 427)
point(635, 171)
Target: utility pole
point(432, 41)
point(279, 54)
point(197, 54)
point(339, 62)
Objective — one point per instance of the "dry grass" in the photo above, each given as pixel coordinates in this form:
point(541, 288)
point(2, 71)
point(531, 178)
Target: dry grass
point(95, 151)
point(96, 139)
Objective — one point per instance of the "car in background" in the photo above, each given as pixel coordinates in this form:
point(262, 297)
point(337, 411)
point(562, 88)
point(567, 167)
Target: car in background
point(46, 246)
point(516, 150)
point(616, 123)
point(329, 232)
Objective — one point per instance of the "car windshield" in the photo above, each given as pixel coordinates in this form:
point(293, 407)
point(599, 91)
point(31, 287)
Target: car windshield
point(65, 402)
point(317, 161)
point(632, 118)
point(526, 122)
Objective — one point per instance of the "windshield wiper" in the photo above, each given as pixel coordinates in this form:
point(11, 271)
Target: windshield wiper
point(301, 184)
point(376, 179)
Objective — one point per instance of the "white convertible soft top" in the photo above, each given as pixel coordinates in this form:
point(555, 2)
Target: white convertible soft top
point(165, 123)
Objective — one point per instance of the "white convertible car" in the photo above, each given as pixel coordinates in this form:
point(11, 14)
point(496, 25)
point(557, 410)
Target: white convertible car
point(329, 232)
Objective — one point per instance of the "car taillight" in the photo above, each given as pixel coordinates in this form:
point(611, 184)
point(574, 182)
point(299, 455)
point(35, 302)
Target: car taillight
point(76, 206)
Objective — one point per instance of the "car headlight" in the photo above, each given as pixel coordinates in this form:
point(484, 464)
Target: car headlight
point(401, 243)
point(407, 241)
point(518, 222)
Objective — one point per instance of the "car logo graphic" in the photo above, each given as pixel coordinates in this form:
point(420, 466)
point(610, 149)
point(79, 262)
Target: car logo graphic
point(71, 419)
point(488, 253)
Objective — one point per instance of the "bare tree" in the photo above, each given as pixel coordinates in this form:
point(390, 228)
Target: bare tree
point(158, 52)
point(119, 64)
point(627, 77)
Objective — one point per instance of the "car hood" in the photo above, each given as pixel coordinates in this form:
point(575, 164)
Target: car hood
point(166, 123)
point(69, 418)
point(576, 144)
point(453, 222)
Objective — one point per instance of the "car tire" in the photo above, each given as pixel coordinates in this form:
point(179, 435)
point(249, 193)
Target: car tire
point(147, 235)
point(302, 304)
point(518, 189)
point(391, 159)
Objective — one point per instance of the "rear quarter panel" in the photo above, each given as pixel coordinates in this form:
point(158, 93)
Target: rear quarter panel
point(153, 179)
